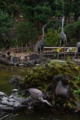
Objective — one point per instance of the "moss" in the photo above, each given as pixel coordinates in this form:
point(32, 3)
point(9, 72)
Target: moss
point(42, 76)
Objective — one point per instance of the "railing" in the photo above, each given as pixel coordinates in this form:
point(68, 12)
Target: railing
point(20, 49)
point(54, 48)
point(28, 49)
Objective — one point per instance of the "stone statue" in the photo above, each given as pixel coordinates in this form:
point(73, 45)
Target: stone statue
point(63, 38)
point(78, 48)
point(40, 44)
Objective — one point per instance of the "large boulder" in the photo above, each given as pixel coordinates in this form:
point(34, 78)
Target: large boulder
point(58, 80)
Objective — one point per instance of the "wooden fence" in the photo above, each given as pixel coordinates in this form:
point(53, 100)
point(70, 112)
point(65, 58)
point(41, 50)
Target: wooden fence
point(20, 49)
point(27, 49)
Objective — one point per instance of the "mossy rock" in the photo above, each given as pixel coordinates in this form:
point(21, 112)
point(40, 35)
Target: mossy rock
point(41, 77)
point(46, 73)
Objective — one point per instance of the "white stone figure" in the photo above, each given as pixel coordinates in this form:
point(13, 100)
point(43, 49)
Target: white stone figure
point(63, 38)
point(37, 94)
point(78, 49)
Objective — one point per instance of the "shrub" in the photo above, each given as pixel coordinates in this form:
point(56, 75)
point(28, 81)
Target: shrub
point(52, 37)
point(27, 33)
point(73, 31)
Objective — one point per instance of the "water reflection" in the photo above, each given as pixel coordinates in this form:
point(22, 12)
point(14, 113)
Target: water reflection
point(41, 116)
point(5, 73)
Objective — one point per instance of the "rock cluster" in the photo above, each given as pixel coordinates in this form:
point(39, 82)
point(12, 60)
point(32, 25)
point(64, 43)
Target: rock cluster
point(59, 81)
point(12, 102)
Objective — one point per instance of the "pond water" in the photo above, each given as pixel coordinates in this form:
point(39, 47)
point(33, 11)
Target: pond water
point(5, 73)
